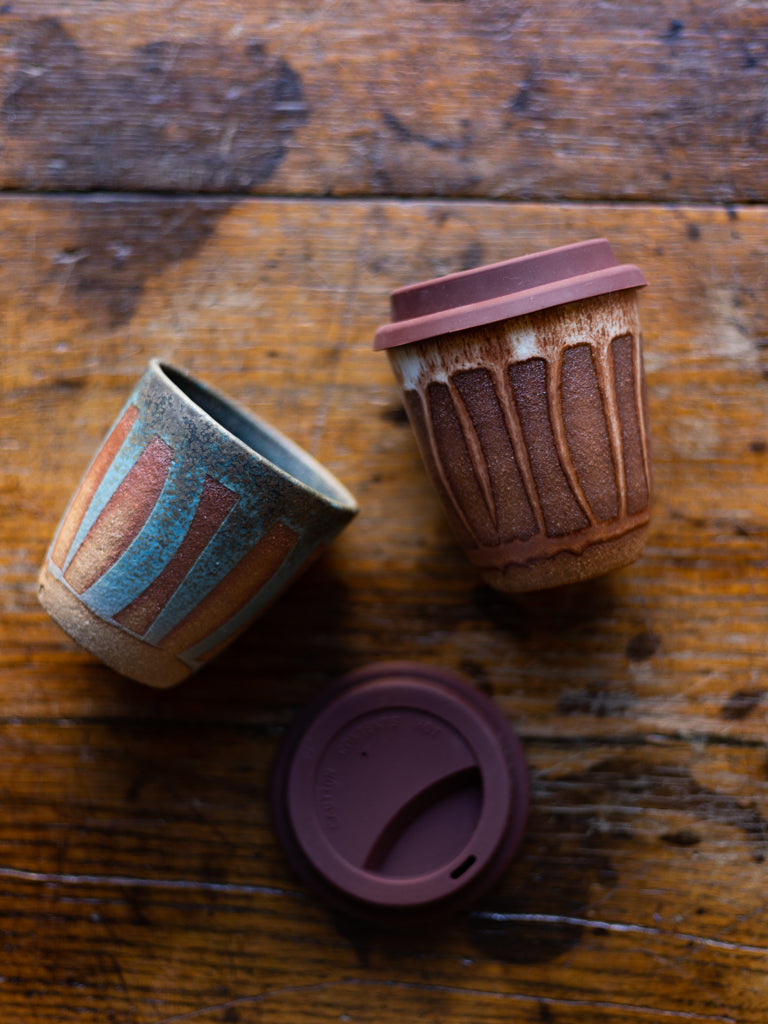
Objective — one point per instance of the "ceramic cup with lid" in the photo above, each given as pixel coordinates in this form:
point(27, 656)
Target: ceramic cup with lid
point(523, 382)
point(193, 516)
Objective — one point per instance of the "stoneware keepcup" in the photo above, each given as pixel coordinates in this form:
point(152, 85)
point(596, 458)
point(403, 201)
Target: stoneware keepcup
point(193, 516)
point(524, 385)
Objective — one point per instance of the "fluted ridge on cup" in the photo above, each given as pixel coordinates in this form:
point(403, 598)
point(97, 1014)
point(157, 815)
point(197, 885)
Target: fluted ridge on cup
point(537, 446)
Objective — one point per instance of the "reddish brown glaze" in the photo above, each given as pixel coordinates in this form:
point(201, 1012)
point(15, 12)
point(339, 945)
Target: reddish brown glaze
point(534, 432)
point(91, 481)
point(122, 518)
point(216, 502)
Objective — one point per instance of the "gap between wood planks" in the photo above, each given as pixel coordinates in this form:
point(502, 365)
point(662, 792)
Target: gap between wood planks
point(230, 198)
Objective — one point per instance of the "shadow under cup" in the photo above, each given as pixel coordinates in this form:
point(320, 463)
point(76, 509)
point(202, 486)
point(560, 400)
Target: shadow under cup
point(193, 516)
point(524, 385)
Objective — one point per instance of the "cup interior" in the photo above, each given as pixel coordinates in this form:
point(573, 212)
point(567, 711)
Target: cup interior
point(267, 442)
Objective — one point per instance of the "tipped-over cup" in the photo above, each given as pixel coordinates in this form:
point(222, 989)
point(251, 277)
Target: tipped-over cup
point(193, 516)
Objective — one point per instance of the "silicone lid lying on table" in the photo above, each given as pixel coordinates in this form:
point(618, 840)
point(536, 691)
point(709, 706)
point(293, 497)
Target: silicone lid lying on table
point(402, 791)
point(497, 291)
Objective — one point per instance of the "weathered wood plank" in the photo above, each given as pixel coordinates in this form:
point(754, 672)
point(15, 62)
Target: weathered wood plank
point(276, 302)
point(139, 879)
point(555, 100)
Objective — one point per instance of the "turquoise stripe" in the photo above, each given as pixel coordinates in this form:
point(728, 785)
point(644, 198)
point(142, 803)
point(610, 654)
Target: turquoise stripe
point(157, 542)
point(240, 531)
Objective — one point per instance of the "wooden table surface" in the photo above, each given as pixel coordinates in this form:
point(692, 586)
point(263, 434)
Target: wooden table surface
point(237, 187)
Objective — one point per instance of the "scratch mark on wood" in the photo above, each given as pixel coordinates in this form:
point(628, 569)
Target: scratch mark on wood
point(127, 881)
point(619, 928)
point(403, 133)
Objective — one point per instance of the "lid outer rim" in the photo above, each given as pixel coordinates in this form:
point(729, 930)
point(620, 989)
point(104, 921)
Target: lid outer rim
point(504, 307)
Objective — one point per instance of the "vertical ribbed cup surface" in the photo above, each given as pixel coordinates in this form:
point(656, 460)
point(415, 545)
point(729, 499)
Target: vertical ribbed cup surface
point(534, 431)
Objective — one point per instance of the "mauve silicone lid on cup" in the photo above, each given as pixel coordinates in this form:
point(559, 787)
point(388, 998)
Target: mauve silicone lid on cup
point(498, 291)
point(400, 794)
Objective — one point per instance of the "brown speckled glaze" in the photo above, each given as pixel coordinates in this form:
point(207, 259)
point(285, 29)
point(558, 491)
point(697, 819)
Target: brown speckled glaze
point(534, 431)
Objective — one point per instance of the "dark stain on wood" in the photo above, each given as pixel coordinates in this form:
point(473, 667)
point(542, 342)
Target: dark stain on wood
point(135, 903)
point(741, 704)
point(561, 862)
point(632, 781)
point(682, 837)
point(528, 101)
point(174, 116)
point(674, 30)
point(121, 244)
point(471, 257)
point(643, 646)
point(136, 786)
point(576, 823)
point(171, 116)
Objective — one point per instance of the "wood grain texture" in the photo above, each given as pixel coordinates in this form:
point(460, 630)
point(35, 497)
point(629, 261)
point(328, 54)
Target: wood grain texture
point(490, 98)
point(139, 879)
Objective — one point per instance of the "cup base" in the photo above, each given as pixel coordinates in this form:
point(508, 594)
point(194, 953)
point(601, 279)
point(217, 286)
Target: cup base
point(117, 648)
point(568, 567)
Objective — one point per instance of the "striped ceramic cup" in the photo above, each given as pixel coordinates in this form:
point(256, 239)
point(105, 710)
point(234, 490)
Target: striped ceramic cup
point(193, 516)
point(523, 382)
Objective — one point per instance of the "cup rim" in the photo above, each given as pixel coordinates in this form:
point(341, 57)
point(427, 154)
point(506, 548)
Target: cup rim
point(498, 291)
point(334, 493)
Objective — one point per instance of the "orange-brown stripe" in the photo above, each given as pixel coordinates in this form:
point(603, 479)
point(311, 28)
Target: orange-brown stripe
point(91, 481)
point(122, 517)
point(216, 502)
point(232, 593)
point(211, 652)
